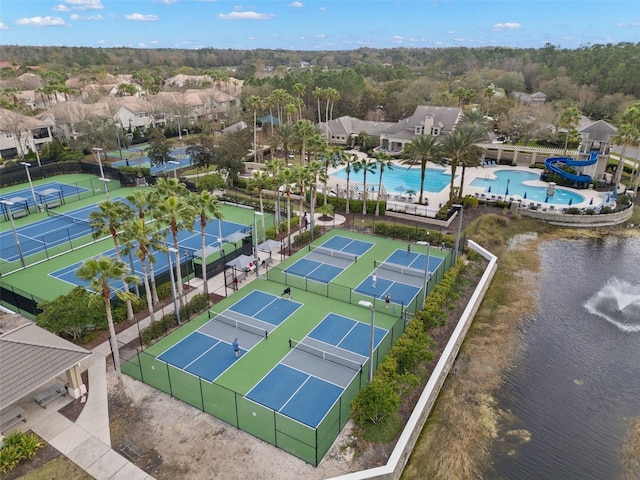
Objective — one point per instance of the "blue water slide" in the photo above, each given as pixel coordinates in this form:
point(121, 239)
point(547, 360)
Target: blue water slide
point(552, 163)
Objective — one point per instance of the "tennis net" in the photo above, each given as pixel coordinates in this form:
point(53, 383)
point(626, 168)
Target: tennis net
point(68, 218)
point(394, 267)
point(323, 354)
point(247, 327)
point(333, 253)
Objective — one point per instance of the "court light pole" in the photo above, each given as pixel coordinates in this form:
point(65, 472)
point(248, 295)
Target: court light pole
point(366, 304)
point(33, 192)
point(256, 258)
point(98, 152)
point(171, 250)
point(427, 275)
point(458, 232)
point(175, 168)
point(8, 206)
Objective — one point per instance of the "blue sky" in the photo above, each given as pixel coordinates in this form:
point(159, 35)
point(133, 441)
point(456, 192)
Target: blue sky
point(318, 24)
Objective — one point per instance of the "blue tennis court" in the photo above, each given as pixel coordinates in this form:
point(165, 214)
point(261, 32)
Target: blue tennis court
point(325, 262)
point(401, 276)
point(311, 378)
point(179, 155)
point(54, 230)
point(208, 352)
point(188, 242)
point(44, 193)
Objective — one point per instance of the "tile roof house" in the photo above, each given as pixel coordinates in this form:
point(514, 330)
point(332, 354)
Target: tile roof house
point(31, 357)
point(64, 118)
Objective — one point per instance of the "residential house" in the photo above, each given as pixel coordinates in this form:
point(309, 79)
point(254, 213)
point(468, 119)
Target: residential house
point(65, 118)
point(341, 130)
point(19, 134)
point(537, 98)
point(426, 120)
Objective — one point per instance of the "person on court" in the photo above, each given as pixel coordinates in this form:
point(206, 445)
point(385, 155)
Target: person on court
point(387, 300)
point(374, 280)
point(287, 291)
point(236, 347)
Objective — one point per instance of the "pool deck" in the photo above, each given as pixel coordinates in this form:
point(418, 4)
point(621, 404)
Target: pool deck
point(592, 199)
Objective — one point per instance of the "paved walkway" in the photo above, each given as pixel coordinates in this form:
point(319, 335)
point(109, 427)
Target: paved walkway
point(87, 441)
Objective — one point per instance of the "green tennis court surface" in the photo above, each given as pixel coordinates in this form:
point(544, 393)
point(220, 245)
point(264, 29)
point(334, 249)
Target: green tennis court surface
point(302, 360)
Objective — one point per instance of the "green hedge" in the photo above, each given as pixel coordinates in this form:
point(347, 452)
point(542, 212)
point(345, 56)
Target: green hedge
point(159, 328)
point(399, 373)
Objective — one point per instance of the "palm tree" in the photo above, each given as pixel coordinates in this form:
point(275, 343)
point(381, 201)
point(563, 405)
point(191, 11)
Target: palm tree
point(367, 166)
point(206, 207)
point(459, 146)
point(255, 102)
point(319, 93)
point(349, 160)
point(287, 178)
point(107, 220)
point(383, 162)
point(173, 209)
point(569, 120)
point(332, 159)
point(259, 180)
point(274, 167)
point(489, 93)
point(140, 200)
point(303, 180)
point(422, 150)
point(316, 174)
point(99, 271)
point(285, 137)
point(299, 89)
point(304, 129)
point(143, 238)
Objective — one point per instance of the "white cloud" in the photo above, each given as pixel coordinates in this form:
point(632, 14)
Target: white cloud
point(80, 18)
point(296, 4)
point(322, 9)
point(398, 38)
point(85, 4)
point(42, 21)
point(139, 17)
point(498, 27)
point(3, 26)
point(60, 8)
point(245, 16)
point(101, 42)
point(630, 24)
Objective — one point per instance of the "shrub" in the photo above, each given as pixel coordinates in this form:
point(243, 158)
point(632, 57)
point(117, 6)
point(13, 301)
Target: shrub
point(375, 402)
point(18, 446)
point(164, 290)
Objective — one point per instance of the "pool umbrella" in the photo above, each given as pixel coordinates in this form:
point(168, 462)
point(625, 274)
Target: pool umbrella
point(546, 200)
point(489, 190)
point(525, 195)
point(591, 201)
point(571, 201)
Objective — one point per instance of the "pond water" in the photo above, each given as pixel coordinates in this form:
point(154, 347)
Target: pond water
point(575, 381)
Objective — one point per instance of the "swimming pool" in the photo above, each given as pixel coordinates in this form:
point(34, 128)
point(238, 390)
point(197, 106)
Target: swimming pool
point(513, 181)
point(401, 179)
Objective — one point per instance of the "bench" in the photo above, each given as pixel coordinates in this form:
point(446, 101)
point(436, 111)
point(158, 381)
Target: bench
point(19, 213)
point(50, 394)
point(11, 417)
point(129, 450)
point(53, 204)
point(266, 261)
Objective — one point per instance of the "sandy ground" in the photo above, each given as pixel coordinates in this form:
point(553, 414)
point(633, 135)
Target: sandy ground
point(181, 442)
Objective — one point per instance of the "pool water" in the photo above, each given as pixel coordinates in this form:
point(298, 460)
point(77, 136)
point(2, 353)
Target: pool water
point(514, 182)
point(401, 179)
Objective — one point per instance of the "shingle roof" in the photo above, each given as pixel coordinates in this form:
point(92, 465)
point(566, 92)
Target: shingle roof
point(30, 357)
point(600, 130)
point(447, 117)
